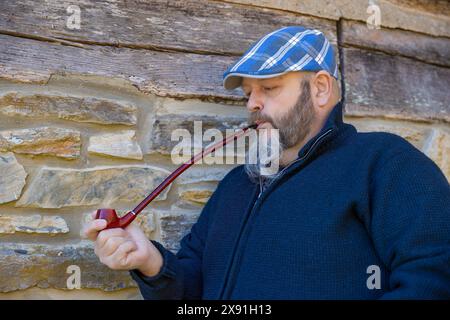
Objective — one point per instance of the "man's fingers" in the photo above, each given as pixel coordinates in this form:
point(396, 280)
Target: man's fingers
point(91, 230)
point(119, 259)
point(110, 246)
point(106, 234)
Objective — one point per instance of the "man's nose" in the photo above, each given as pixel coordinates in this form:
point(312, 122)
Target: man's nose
point(255, 102)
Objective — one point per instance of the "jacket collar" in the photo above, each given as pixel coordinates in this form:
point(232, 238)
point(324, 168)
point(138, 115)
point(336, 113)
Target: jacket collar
point(333, 129)
point(333, 126)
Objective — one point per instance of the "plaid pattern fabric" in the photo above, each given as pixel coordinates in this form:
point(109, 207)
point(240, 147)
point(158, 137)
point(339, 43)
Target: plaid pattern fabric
point(287, 49)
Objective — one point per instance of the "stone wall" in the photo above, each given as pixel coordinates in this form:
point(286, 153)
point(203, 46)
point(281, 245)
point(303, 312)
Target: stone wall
point(86, 114)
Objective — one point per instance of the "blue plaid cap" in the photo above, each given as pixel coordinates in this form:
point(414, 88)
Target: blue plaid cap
point(287, 49)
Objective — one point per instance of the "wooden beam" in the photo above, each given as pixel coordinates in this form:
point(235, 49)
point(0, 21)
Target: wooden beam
point(382, 85)
point(435, 50)
point(426, 16)
point(173, 74)
point(198, 26)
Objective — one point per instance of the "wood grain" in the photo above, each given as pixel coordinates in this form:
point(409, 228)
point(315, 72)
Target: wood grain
point(198, 26)
point(395, 87)
point(435, 50)
point(173, 74)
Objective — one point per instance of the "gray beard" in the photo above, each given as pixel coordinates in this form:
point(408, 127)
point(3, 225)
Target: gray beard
point(260, 169)
point(293, 128)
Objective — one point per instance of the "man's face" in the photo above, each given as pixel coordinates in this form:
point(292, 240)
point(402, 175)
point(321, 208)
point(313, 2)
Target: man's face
point(282, 103)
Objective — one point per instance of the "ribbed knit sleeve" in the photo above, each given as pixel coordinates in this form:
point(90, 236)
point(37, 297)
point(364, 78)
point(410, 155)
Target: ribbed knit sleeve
point(410, 225)
point(167, 284)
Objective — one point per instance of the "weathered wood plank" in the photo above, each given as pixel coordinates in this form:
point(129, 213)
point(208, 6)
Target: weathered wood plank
point(426, 16)
point(388, 86)
point(394, 41)
point(166, 74)
point(198, 26)
point(440, 7)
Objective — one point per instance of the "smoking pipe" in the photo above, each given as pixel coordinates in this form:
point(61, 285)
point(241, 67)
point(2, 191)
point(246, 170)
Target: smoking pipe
point(110, 215)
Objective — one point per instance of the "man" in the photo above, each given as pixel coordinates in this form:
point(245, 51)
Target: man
point(349, 215)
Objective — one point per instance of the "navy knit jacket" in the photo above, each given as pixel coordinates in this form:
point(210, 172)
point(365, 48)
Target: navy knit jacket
point(349, 204)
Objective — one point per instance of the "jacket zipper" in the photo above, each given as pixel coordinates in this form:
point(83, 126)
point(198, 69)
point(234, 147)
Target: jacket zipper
point(280, 174)
point(228, 276)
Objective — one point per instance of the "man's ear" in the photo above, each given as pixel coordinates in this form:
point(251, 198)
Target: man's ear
point(321, 88)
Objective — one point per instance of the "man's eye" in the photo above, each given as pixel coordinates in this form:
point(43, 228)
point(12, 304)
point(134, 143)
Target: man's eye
point(269, 88)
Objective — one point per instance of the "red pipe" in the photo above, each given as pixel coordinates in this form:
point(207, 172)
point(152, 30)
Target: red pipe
point(110, 215)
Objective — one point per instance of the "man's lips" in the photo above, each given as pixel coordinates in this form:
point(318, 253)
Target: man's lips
point(261, 124)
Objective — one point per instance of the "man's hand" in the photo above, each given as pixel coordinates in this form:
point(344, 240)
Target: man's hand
point(123, 249)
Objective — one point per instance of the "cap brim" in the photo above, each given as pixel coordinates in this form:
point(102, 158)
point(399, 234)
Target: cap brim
point(234, 80)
